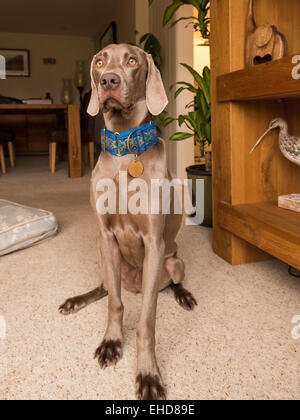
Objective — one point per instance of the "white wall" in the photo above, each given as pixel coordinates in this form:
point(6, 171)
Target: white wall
point(46, 78)
point(142, 18)
point(201, 57)
point(124, 14)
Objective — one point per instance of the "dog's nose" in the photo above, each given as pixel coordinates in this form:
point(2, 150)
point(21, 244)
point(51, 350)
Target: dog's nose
point(110, 81)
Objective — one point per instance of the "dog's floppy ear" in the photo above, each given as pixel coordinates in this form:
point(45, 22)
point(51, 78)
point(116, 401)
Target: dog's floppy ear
point(93, 108)
point(156, 97)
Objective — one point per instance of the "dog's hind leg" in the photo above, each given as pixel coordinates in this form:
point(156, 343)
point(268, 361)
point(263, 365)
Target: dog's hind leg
point(176, 269)
point(183, 297)
point(75, 304)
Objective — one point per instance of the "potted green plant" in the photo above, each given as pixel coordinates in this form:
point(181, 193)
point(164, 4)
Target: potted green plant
point(198, 123)
point(198, 120)
point(149, 43)
point(201, 21)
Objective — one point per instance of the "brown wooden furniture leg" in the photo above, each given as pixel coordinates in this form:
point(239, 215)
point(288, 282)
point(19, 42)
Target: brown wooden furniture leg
point(50, 158)
point(74, 139)
point(92, 154)
point(2, 159)
point(52, 153)
point(11, 151)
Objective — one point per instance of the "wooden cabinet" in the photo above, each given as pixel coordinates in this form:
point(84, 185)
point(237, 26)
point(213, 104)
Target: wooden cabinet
point(248, 225)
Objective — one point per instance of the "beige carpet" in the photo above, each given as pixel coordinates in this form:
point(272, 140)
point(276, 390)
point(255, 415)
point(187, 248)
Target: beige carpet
point(237, 344)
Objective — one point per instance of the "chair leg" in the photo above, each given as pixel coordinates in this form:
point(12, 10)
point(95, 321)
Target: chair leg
point(85, 154)
point(50, 155)
point(2, 159)
point(11, 151)
point(53, 156)
point(92, 154)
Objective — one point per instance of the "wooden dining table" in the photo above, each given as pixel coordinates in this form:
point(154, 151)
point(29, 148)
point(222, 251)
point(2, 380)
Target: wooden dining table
point(73, 125)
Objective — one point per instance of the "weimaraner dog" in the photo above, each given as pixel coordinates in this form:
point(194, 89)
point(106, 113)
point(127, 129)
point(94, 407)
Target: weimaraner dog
point(138, 251)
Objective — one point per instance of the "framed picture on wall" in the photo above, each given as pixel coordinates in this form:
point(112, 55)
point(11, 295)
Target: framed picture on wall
point(17, 62)
point(109, 36)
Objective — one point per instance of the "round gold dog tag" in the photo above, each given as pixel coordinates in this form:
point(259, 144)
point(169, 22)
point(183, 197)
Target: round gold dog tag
point(135, 169)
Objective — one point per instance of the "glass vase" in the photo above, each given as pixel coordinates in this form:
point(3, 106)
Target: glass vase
point(80, 74)
point(67, 92)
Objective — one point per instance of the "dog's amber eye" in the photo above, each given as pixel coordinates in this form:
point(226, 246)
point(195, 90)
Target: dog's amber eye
point(100, 63)
point(132, 61)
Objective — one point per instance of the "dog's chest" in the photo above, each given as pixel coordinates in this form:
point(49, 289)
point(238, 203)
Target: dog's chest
point(130, 242)
point(119, 219)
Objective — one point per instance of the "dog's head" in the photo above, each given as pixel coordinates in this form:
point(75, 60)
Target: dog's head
point(123, 75)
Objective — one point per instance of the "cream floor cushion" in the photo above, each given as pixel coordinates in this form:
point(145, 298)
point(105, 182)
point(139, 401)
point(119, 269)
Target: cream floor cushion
point(21, 226)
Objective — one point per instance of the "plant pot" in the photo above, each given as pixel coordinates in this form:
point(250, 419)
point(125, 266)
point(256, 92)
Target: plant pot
point(198, 172)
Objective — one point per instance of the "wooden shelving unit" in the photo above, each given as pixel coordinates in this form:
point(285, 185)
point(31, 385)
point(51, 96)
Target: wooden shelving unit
point(264, 225)
point(267, 81)
point(248, 224)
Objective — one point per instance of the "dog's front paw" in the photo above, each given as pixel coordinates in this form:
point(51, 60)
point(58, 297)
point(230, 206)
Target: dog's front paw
point(109, 353)
point(149, 387)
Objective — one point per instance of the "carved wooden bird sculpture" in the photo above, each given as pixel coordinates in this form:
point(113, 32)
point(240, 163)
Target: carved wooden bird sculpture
point(289, 145)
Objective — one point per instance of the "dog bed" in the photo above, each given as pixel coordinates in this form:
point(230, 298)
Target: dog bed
point(21, 226)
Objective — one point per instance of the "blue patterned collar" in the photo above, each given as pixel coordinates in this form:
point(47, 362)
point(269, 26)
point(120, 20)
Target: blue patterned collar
point(136, 140)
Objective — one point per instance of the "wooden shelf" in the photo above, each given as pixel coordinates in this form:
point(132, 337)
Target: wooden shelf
point(266, 81)
point(266, 226)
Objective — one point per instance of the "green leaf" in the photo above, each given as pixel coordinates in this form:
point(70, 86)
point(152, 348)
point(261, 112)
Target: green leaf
point(183, 18)
point(190, 87)
point(193, 115)
point(205, 129)
point(201, 102)
point(171, 10)
point(194, 3)
point(200, 81)
point(152, 46)
point(190, 105)
point(168, 121)
point(181, 119)
point(206, 75)
point(192, 122)
point(189, 125)
point(150, 2)
point(181, 136)
point(208, 133)
point(208, 115)
point(144, 37)
point(178, 91)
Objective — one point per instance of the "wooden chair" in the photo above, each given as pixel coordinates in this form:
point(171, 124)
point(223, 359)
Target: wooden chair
point(87, 137)
point(7, 137)
point(56, 137)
